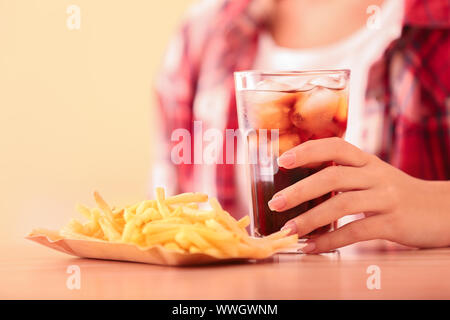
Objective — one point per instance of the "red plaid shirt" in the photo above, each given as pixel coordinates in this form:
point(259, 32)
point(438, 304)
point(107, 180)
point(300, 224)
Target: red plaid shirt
point(411, 82)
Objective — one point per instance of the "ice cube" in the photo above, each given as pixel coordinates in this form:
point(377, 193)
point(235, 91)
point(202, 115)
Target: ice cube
point(342, 110)
point(269, 116)
point(304, 85)
point(269, 110)
point(331, 82)
point(315, 109)
point(271, 85)
point(298, 83)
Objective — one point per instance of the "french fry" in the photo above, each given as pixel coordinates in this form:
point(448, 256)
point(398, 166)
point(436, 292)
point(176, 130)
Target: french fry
point(155, 215)
point(152, 228)
point(187, 198)
point(84, 211)
point(118, 212)
point(160, 197)
point(76, 226)
point(197, 215)
point(128, 215)
point(173, 247)
point(107, 214)
point(182, 240)
point(133, 207)
point(244, 222)
point(144, 205)
point(160, 238)
point(197, 240)
point(228, 220)
point(110, 233)
point(277, 235)
point(103, 206)
point(194, 249)
point(215, 253)
point(216, 226)
point(177, 212)
point(91, 228)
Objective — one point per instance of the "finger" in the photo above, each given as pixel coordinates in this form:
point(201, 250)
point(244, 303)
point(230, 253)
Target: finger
point(333, 178)
point(322, 150)
point(336, 207)
point(360, 230)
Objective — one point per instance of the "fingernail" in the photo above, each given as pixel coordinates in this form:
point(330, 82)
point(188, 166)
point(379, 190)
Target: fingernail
point(286, 160)
point(310, 246)
point(277, 203)
point(292, 226)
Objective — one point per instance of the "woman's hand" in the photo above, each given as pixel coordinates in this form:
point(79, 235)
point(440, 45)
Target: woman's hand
point(398, 207)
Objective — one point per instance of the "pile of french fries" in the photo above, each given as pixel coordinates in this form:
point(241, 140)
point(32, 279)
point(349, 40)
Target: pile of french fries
point(178, 224)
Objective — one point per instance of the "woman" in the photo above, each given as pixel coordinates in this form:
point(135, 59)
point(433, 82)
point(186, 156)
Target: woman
point(399, 109)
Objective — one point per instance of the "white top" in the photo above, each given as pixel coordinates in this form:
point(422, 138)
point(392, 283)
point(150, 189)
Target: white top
point(356, 52)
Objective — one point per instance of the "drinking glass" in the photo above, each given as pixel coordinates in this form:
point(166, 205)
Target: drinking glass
point(278, 111)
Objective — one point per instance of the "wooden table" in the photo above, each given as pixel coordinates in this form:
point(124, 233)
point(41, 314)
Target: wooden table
point(29, 271)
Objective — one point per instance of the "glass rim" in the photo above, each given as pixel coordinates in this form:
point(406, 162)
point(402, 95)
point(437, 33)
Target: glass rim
point(276, 73)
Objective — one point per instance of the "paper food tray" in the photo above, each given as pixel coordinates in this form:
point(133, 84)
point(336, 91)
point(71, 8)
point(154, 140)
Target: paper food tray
point(99, 249)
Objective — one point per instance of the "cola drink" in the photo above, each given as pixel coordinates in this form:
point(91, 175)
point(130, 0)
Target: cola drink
point(280, 111)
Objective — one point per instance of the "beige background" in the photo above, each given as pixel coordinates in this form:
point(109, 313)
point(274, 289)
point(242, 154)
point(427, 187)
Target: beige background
point(76, 106)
